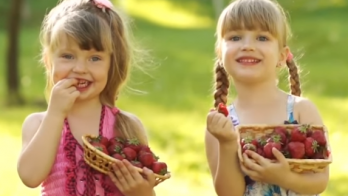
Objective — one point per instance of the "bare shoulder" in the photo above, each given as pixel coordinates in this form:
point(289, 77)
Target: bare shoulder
point(30, 126)
point(307, 111)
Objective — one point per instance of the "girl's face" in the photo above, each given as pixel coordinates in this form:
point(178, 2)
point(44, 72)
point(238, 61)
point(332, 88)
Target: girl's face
point(251, 55)
point(90, 67)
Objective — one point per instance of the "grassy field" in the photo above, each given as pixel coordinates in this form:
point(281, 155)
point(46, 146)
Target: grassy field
point(178, 90)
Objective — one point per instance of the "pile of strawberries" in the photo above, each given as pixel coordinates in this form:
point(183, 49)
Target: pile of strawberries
point(130, 149)
point(297, 142)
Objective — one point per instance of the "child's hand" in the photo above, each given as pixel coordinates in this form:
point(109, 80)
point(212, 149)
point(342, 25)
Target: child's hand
point(130, 182)
point(265, 170)
point(63, 96)
point(221, 127)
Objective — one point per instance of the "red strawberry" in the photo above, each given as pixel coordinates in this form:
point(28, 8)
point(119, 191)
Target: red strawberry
point(116, 140)
point(101, 139)
point(118, 156)
point(280, 130)
point(267, 149)
point(223, 109)
point(115, 147)
point(137, 164)
point(159, 168)
point(261, 142)
point(249, 140)
point(311, 146)
point(147, 159)
point(100, 147)
point(130, 154)
point(318, 155)
point(260, 152)
point(281, 135)
point(133, 144)
point(319, 137)
point(298, 134)
point(249, 146)
point(296, 150)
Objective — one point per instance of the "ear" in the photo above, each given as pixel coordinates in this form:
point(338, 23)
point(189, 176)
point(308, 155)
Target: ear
point(284, 55)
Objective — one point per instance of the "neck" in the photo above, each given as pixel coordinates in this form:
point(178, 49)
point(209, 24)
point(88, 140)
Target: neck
point(85, 107)
point(257, 94)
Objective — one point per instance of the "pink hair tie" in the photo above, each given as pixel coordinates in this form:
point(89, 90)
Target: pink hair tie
point(290, 57)
point(114, 110)
point(102, 4)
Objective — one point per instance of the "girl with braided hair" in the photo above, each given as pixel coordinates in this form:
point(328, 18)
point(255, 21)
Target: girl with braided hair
point(87, 56)
point(252, 38)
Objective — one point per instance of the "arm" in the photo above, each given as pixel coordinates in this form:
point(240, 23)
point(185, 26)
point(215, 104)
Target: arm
point(40, 140)
point(307, 183)
point(224, 166)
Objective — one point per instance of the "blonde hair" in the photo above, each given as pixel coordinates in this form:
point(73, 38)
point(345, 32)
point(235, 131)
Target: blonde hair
point(91, 27)
point(265, 15)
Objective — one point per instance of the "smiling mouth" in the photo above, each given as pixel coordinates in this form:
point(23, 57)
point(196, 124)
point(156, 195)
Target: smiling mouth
point(83, 84)
point(248, 60)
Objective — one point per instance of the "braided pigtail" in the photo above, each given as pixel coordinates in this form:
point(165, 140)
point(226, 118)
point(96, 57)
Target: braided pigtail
point(221, 84)
point(294, 80)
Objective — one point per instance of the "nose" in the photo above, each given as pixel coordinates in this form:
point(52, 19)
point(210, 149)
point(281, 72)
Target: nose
point(80, 67)
point(248, 44)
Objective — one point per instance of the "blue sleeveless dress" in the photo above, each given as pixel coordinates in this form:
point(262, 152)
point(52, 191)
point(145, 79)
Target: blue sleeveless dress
point(263, 189)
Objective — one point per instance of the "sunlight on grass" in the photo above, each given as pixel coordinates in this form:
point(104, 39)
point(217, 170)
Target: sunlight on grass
point(167, 14)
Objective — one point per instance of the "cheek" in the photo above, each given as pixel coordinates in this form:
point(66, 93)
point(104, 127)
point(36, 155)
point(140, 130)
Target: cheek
point(58, 73)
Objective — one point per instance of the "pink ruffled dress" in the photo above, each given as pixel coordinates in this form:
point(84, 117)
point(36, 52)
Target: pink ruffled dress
point(70, 175)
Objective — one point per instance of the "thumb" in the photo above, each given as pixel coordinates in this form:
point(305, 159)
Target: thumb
point(149, 175)
point(278, 155)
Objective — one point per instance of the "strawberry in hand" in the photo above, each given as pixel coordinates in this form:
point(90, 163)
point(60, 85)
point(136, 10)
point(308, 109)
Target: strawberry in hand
point(222, 109)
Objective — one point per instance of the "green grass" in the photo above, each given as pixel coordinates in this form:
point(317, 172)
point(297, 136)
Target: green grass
point(179, 89)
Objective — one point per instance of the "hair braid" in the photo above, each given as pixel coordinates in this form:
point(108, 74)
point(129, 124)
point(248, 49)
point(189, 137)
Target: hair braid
point(294, 80)
point(221, 84)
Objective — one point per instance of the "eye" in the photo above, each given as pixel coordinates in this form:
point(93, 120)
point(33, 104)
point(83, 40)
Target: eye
point(262, 38)
point(235, 38)
point(95, 58)
point(67, 56)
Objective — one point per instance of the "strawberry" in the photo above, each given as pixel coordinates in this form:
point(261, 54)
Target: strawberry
point(267, 149)
point(116, 140)
point(147, 159)
point(281, 135)
point(100, 147)
point(249, 140)
point(222, 109)
point(115, 147)
point(319, 137)
point(260, 152)
point(118, 156)
point(298, 134)
point(130, 154)
point(137, 164)
point(101, 139)
point(285, 151)
point(296, 150)
point(280, 130)
point(318, 155)
point(159, 168)
point(261, 142)
point(311, 146)
point(249, 146)
point(133, 144)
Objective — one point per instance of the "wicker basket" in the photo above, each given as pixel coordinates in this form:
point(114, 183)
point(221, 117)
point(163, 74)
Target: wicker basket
point(103, 162)
point(296, 165)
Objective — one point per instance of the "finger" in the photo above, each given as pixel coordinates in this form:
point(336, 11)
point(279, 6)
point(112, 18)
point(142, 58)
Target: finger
point(119, 176)
point(250, 164)
point(125, 172)
point(132, 171)
point(67, 82)
point(71, 89)
point(116, 181)
point(278, 155)
point(248, 172)
point(256, 157)
point(150, 176)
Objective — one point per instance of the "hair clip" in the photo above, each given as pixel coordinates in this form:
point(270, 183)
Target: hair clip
point(290, 57)
point(102, 4)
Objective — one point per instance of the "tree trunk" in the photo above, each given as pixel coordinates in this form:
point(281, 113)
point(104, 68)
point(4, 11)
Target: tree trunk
point(13, 88)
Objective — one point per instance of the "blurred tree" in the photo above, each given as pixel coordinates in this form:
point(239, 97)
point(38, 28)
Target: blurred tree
point(218, 7)
point(14, 19)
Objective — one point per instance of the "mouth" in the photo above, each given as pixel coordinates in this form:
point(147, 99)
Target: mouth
point(248, 60)
point(82, 84)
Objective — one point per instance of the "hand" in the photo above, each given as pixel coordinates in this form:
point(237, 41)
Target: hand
point(63, 96)
point(130, 182)
point(265, 170)
point(221, 127)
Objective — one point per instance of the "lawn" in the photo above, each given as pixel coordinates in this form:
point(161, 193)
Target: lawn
point(178, 89)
